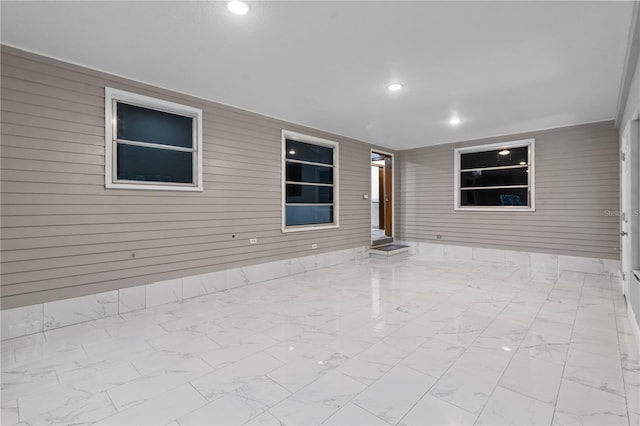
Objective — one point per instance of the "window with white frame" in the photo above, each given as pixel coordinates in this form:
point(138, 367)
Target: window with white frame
point(151, 143)
point(310, 182)
point(496, 176)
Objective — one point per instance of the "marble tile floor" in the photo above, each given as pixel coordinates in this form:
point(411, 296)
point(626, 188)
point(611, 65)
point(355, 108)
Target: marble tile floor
point(412, 342)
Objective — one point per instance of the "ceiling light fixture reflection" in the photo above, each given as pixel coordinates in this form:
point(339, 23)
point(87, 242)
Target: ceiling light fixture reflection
point(504, 152)
point(292, 152)
point(523, 163)
point(395, 87)
point(454, 121)
point(237, 7)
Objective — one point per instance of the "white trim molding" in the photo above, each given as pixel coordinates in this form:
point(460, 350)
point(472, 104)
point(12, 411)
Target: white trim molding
point(18, 322)
point(111, 97)
point(299, 137)
point(531, 178)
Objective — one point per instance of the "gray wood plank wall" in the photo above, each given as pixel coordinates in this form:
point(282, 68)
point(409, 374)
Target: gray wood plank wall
point(577, 183)
point(65, 235)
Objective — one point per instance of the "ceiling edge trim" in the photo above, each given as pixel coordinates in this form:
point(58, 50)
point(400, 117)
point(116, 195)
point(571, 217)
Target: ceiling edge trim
point(328, 132)
point(630, 61)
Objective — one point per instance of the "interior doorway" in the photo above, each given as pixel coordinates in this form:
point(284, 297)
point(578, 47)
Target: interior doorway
point(381, 198)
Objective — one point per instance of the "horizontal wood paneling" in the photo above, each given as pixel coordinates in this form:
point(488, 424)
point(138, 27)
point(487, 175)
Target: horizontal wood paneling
point(577, 181)
point(65, 235)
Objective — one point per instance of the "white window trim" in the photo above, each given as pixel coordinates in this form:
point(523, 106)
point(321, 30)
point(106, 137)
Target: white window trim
point(112, 95)
point(286, 134)
point(490, 147)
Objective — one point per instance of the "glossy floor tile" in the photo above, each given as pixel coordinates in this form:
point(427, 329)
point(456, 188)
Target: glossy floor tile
point(411, 342)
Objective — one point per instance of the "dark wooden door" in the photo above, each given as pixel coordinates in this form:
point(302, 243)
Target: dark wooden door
point(388, 196)
point(381, 197)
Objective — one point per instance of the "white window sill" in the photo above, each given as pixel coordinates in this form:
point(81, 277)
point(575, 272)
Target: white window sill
point(153, 187)
point(309, 228)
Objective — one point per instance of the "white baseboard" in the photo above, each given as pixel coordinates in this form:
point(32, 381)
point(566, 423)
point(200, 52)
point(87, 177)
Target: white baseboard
point(549, 264)
point(634, 322)
point(32, 319)
point(41, 317)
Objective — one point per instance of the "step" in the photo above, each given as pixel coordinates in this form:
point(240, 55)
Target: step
point(382, 242)
point(388, 251)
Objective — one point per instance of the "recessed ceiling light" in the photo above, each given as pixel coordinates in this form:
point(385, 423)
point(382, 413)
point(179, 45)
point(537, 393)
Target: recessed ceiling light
point(395, 87)
point(238, 7)
point(454, 121)
point(504, 152)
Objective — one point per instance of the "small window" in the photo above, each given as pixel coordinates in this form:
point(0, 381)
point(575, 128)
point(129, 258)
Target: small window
point(495, 177)
point(310, 183)
point(151, 143)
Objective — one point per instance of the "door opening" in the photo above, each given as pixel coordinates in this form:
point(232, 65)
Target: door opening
point(381, 198)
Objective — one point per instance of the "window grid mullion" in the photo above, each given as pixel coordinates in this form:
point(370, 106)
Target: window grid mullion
point(494, 187)
point(310, 204)
point(155, 145)
point(291, 182)
point(482, 169)
point(309, 163)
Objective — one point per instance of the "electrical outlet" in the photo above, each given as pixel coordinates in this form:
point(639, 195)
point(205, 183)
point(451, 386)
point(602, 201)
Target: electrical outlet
point(253, 241)
point(314, 246)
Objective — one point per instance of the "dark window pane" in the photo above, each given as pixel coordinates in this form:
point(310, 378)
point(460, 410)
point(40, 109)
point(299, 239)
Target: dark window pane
point(495, 197)
point(494, 177)
point(477, 160)
point(308, 215)
point(148, 125)
point(309, 194)
point(297, 172)
point(309, 152)
point(153, 164)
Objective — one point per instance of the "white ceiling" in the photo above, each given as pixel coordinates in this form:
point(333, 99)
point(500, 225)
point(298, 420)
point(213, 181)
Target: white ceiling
point(504, 67)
